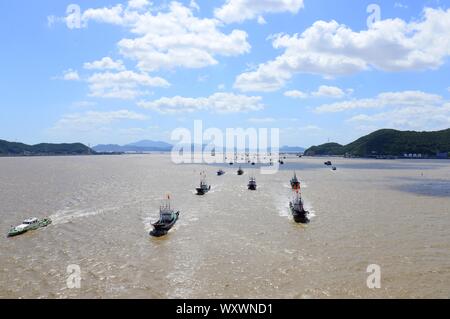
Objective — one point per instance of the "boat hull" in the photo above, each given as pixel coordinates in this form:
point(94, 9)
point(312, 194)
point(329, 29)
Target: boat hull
point(203, 191)
point(162, 229)
point(300, 216)
point(16, 233)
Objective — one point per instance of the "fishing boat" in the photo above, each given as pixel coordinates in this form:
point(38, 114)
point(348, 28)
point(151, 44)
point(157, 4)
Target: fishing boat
point(240, 171)
point(298, 210)
point(167, 219)
point(252, 184)
point(29, 224)
point(204, 187)
point(220, 172)
point(295, 183)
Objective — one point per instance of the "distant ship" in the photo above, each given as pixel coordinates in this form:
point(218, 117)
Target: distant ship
point(298, 210)
point(252, 184)
point(240, 171)
point(328, 163)
point(204, 187)
point(295, 183)
point(167, 219)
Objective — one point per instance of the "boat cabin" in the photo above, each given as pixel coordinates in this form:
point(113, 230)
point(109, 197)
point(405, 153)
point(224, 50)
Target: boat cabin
point(30, 221)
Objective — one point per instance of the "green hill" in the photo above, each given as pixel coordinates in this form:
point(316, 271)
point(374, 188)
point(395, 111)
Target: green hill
point(389, 143)
point(17, 149)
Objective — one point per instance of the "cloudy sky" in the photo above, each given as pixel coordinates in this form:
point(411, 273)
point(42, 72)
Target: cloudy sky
point(112, 71)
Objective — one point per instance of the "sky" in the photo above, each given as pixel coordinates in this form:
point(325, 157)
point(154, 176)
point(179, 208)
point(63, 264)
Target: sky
point(115, 72)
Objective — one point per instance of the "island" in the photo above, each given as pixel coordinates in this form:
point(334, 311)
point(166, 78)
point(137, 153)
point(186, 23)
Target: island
point(389, 143)
point(43, 149)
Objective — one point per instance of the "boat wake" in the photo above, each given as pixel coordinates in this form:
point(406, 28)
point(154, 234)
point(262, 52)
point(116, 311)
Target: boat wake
point(67, 215)
point(214, 188)
point(310, 209)
point(283, 210)
point(148, 221)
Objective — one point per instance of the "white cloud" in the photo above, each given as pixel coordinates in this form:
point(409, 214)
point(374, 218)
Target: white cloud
point(400, 5)
point(105, 64)
point(392, 99)
point(296, 94)
point(299, 132)
point(140, 132)
point(202, 78)
point(329, 91)
point(261, 20)
point(322, 92)
point(194, 5)
point(426, 117)
point(170, 38)
point(310, 128)
point(113, 15)
point(138, 4)
point(406, 110)
point(262, 120)
point(241, 10)
point(331, 49)
point(122, 85)
point(91, 119)
point(218, 102)
point(361, 118)
point(69, 75)
point(83, 104)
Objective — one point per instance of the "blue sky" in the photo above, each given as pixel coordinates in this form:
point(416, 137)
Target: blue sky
point(123, 71)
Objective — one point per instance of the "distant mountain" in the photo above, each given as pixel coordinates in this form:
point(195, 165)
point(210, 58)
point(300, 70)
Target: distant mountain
point(157, 146)
point(108, 148)
point(138, 147)
point(17, 149)
point(389, 142)
point(292, 149)
point(151, 144)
